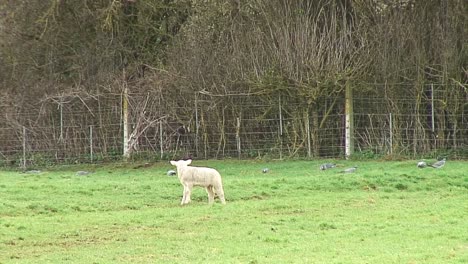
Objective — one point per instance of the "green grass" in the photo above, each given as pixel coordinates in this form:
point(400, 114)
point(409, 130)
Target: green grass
point(386, 212)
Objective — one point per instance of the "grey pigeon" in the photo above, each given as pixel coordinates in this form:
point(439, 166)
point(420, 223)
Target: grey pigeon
point(171, 172)
point(82, 173)
point(265, 170)
point(327, 166)
point(33, 171)
point(439, 164)
point(350, 170)
point(422, 164)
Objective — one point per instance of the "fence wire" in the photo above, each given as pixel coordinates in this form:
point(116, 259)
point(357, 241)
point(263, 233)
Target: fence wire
point(77, 130)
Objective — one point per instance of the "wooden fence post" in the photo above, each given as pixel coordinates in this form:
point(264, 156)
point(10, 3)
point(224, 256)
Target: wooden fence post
point(238, 139)
point(391, 133)
point(161, 146)
point(349, 127)
point(126, 152)
point(307, 129)
point(280, 127)
point(91, 143)
point(24, 147)
point(197, 125)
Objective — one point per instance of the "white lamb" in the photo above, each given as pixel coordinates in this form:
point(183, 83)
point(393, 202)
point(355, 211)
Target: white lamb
point(199, 176)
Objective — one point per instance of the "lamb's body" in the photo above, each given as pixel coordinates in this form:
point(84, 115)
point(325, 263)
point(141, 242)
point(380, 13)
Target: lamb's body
point(199, 176)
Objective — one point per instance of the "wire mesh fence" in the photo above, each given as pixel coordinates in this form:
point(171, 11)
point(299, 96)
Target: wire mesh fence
point(77, 129)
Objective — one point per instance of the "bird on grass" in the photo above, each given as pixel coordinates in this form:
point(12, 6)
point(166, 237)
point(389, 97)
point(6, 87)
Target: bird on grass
point(171, 172)
point(422, 164)
point(327, 166)
point(265, 170)
point(82, 173)
point(350, 170)
point(439, 164)
point(33, 171)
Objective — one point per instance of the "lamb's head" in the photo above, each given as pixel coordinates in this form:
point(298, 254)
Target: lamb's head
point(180, 164)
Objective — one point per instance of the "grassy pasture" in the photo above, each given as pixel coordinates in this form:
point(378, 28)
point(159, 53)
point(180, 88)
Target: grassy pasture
point(386, 212)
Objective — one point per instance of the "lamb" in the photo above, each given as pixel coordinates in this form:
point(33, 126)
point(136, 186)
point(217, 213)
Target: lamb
point(199, 176)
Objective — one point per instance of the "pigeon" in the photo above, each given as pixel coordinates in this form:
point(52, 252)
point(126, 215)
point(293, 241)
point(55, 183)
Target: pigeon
point(171, 173)
point(327, 166)
point(350, 170)
point(265, 170)
point(439, 164)
point(82, 173)
point(422, 164)
point(33, 171)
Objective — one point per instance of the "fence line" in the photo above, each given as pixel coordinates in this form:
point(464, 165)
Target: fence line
point(163, 142)
point(228, 126)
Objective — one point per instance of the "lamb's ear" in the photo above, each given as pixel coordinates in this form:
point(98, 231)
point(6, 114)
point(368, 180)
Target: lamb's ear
point(188, 161)
point(174, 163)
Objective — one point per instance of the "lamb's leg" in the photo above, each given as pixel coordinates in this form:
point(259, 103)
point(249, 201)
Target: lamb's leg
point(220, 193)
point(187, 192)
point(183, 196)
point(211, 194)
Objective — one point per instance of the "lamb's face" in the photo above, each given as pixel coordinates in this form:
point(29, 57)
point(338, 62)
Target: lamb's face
point(181, 163)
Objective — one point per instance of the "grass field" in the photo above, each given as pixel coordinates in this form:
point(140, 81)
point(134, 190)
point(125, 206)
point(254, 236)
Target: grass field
point(386, 212)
